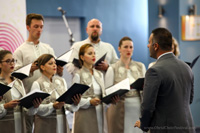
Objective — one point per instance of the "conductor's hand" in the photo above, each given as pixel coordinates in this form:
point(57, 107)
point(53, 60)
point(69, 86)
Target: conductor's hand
point(137, 124)
point(60, 70)
point(34, 67)
point(11, 104)
point(95, 101)
point(58, 105)
point(76, 99)
point(115, 99)
point(37, 102)
point(103, 66)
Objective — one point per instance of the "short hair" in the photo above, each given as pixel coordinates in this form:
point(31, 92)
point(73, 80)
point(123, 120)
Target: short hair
point(126, 38)
point(43, 59)
point(3, 53)
point(31, 16)
point(82, 51)
point(163, 37)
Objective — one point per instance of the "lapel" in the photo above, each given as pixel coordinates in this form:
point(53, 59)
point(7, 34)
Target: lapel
point(18, 85)
point(99, 80)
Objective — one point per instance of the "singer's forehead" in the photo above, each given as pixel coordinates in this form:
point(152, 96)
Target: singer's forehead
point(94, 22)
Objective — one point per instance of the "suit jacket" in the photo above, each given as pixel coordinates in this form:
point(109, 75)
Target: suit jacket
point(168, 93)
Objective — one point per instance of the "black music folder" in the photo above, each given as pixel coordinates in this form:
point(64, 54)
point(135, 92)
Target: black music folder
point(100, 60)
point(76, 63)
point(27, 101)
point(22, 72)
point(64, 58)
point(118, 89)
point(71, 92)
point(138, 84)
point(4, 89)
point(193, 62)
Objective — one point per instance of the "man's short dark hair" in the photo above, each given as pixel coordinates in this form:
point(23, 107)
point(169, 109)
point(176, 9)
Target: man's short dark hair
point(33, 16)
point(163, 37)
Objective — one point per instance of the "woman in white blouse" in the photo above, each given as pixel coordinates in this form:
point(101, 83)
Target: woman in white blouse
point(123, 115)
point(51, 117)
point(90, 117)
point(12, 116)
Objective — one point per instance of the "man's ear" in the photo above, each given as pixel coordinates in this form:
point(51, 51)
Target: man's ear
point(156, 46)
point(119, 49)
point(28, 27)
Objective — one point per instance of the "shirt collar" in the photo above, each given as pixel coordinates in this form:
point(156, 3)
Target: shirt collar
point(164, 54)
point(31, 43)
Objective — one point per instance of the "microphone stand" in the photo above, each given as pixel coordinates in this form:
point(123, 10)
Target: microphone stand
point(72, 40)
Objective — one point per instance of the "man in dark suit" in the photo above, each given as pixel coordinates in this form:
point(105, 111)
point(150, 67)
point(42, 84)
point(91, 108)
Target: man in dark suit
point(168, 89)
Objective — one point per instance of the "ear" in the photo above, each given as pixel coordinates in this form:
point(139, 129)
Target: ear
point(42, 67)
point(156, 46)
point(28, 27)
point(82, 58)
point(119, 49)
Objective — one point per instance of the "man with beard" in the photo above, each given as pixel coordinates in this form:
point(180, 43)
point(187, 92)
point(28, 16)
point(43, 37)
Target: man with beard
point(94, 31)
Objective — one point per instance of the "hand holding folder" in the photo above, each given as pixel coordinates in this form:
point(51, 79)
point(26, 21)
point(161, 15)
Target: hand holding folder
point(100, 60)
point(118, 89)
point(71, 92)
point(27, 101)
point(64, 58)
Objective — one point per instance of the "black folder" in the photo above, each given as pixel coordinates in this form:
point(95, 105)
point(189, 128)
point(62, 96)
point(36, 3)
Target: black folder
point(138, 84)
point(71, 92)
point(76, 63)
point(64, 58)
point(193, 62)
point(22, 72)
point(118, 89)
point(19, 75)
point(100, 60)
point(4, 89)
point(27, 101)
point(60, 62)
point(108, 99)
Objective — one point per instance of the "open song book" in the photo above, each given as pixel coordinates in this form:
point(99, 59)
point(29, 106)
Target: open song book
point(71, 92)
point(4, 89)
point(22, 72)
point(118, 89)
point(64, 58)
point(27, 101)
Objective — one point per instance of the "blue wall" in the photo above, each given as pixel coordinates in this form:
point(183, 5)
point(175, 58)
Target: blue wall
point(189, 50)
point(171, 20)
point(119, 17)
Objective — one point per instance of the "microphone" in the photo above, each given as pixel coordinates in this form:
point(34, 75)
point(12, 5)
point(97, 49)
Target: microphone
point(61, 10)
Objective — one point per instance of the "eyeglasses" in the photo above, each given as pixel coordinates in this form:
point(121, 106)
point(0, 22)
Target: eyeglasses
point(9, 61)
